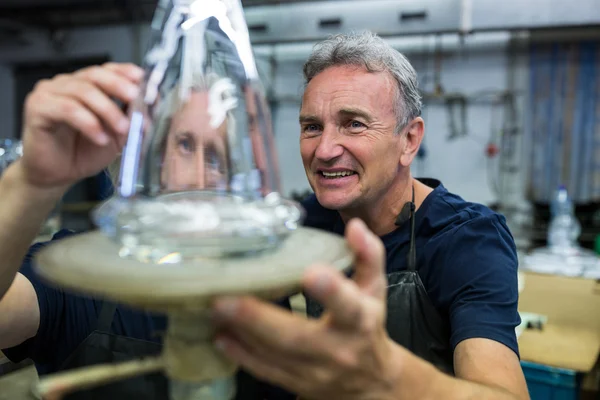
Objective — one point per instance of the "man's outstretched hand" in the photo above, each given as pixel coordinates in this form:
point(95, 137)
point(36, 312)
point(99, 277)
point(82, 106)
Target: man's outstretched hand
point(346, 354)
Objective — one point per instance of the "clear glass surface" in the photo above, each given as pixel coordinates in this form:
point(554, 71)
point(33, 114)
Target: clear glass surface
point(10, 151)
point(199, 174)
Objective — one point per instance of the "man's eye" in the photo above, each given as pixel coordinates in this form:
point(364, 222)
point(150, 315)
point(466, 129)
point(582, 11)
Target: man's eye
point(356, 124)
point(311, 130)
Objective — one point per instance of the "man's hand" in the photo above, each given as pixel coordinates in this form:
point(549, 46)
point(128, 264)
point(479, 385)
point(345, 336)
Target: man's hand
point(72, 127)
point(346, 354)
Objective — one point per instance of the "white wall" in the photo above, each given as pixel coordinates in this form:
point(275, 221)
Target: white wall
point(460, 163)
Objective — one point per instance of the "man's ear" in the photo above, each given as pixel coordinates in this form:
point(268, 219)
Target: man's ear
point(413, 136)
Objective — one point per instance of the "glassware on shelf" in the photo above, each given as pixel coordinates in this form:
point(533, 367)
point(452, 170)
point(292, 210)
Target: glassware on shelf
point(10, 151)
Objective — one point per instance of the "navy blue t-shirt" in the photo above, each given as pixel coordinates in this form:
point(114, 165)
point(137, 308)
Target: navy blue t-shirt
point(466, 258)
point(66, 319)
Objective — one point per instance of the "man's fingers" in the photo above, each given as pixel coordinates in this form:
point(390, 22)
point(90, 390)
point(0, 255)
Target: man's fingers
point(258, 323)
point(129, 70)
point(68, 111)
point(89, 95)
point(340, 296)
point(97, 102)
point(260, 366)
point(369, 273)
point(111, 83)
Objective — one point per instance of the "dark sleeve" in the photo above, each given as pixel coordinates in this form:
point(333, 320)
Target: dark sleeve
point(62, 327)
point(316, 216)
point(251, 388)
point(479, 282)
point(46, 296)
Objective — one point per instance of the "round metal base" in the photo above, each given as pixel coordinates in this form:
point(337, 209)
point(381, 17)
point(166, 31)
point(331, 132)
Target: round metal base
point(90, 263)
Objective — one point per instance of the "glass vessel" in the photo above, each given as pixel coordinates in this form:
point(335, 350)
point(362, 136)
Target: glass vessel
point(198, 174)
point(10, 151)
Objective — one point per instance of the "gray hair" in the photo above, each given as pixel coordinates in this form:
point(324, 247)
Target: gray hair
point(375, 55)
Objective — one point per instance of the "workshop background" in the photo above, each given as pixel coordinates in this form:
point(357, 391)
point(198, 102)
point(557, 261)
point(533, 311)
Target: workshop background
point(511, 106)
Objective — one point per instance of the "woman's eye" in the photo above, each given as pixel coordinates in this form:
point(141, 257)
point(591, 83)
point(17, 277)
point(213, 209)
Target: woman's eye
point(186, 144)
point(212, 159)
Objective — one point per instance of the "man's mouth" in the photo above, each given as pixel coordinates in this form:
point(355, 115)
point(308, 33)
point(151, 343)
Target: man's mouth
point(338, 174)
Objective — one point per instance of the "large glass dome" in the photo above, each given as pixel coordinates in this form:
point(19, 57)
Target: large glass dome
point(199, 175)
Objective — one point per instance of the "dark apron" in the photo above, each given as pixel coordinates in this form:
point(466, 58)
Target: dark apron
point(101, 346)
point(414, 323)
point(412, 320)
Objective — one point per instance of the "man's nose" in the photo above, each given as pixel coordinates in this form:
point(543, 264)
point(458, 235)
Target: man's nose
point(329, 146)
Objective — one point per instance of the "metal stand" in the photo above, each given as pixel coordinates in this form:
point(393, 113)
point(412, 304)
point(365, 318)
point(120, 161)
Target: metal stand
point(90, 263)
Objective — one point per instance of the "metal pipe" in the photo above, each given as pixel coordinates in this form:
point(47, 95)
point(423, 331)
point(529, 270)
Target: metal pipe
point(63, 383)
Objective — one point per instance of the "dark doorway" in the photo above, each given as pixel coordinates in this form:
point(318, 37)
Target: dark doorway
point(26, 75)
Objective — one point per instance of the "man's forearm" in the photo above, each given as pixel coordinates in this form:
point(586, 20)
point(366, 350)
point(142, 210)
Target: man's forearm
point(417, 379)
point(459, 389)
point(23, 210)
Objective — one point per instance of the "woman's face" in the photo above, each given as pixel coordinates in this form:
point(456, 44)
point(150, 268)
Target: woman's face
point(196, 153)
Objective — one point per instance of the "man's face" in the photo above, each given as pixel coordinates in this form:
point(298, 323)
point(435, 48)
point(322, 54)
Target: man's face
point(348, 146)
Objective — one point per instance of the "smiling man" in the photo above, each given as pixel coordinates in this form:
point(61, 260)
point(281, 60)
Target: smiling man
point(431, 309)
point(352, 151)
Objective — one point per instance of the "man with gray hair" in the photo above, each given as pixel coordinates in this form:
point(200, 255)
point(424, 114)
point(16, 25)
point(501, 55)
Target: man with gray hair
point(437, 318)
